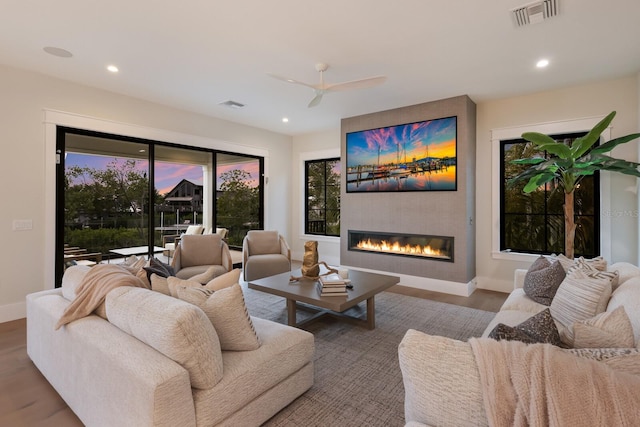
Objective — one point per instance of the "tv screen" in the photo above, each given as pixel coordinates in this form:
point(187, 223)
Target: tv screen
point(418, 156)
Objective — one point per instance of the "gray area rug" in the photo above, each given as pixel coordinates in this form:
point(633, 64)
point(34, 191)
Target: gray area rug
point(357, 375)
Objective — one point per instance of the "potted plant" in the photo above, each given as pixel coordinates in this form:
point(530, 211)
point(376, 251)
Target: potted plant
point(568, 164)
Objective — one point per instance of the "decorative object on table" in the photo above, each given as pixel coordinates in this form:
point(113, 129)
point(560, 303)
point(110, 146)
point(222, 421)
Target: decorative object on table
point(567, 165)
point(310, 267)
point(332, 285)
point(330, 270)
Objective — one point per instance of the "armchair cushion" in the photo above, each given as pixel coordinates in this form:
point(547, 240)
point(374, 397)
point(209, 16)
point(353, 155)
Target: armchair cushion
point(200, 250)
point(263, 242)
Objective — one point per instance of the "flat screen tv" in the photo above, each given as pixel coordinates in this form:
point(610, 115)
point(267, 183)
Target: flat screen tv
point(418, 156)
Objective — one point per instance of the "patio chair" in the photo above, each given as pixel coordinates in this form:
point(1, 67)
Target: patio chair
point(197, 253)
point(264, 253)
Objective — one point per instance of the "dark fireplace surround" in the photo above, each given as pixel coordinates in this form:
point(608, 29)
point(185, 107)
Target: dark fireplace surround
point(438, 248)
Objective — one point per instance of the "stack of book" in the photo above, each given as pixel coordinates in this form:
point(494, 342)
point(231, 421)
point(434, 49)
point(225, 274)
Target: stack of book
point(332, 285)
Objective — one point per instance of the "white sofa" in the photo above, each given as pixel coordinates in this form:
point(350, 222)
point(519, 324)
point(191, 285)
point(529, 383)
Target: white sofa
point(441, 379)
point(168, 369)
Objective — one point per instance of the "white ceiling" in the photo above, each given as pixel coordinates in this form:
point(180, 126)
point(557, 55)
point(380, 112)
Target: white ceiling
point(194, 54)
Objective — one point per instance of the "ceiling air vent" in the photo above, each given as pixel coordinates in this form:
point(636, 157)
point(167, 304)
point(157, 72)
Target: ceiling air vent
point(232, 104)
point(534, 13)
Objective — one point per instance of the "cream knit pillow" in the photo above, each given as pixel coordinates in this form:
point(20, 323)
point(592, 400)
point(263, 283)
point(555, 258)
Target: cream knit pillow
point(606, 330)
point(228, 314)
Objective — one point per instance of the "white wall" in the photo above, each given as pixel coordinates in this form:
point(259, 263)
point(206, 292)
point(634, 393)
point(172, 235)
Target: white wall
point(320, 145)
point(25, 96)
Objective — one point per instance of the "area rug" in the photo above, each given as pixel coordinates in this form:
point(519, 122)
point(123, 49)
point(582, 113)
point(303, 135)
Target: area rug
point(357, 375)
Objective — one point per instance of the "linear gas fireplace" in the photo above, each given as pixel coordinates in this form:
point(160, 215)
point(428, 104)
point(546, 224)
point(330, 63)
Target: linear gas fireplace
point(412, 245)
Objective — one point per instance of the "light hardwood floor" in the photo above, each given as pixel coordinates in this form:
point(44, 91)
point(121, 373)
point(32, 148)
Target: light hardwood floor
point(28, 400)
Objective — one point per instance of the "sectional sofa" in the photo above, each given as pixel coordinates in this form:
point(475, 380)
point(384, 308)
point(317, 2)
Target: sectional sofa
point(158, 361)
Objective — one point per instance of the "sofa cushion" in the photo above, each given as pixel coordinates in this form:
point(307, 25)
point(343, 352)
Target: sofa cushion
point(251, 374)
point(441, 381)
point(518, 300)
point(543, 279)
point(582, 294)
point(606, 330)
point(71, 280)
point(625, 271)
point(228, 314)
point(539, 328)
point(179, 330)
point(628, 296)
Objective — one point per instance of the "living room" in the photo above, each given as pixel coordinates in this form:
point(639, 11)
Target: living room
point(34, 101)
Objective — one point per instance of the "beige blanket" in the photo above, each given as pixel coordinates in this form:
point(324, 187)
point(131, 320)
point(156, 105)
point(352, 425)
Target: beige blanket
point(540, 385)
point(93, 289)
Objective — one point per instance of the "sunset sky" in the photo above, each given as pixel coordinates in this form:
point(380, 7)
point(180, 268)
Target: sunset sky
point(167, 174)
point(432, 138)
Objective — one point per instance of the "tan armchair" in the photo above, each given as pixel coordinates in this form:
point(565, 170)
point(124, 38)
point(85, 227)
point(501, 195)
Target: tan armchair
point(264, 253)
point(195, 254)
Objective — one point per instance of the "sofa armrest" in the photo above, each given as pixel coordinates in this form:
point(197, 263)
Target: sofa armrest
point(106, 376)
point(441, 381)
point(518, 278)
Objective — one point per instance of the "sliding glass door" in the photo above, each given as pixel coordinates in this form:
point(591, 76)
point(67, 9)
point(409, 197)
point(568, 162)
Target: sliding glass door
point(239, 195)
point(118, 196)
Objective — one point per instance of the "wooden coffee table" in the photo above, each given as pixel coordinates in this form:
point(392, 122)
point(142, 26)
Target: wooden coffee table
point(304, 294)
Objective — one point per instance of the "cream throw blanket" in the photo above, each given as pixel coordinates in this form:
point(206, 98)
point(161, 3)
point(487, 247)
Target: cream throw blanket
point(540, 385)
point(93, 290)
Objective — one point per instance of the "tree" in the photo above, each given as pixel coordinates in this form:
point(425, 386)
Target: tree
point(239, 204)
point(566, 166)
point(117, 189)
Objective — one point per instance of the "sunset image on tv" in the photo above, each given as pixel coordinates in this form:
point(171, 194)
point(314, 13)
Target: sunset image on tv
point(417, 156)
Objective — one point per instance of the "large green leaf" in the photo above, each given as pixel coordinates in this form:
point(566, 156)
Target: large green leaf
point(583, 144)
point(531, 161)
point(537, 181)
point(553, 147)
point(610, 145)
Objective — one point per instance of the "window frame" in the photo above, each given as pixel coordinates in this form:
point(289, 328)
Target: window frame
point(544, 211)
point(306, 164)
point(548, 128)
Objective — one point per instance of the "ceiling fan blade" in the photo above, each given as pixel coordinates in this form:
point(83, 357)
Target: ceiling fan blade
point(316, 100)
point(356, 84)
point(288, 80)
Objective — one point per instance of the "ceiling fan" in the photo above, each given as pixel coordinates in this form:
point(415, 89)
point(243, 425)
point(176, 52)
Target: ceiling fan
point(321, 88)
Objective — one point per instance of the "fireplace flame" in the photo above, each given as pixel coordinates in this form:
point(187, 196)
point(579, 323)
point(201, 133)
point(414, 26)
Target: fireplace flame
point(385, 246)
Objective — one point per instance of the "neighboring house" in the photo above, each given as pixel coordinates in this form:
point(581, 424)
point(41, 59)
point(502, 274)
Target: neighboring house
point(186, 196)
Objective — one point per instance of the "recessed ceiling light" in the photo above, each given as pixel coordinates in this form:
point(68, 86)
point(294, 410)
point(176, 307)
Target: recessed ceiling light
point(542, 63)
point(56, 51)
point(112, 68)
point(285, 120)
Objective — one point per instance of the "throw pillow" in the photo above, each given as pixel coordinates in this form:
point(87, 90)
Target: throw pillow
point(174, 282)
point(543, 279)
point(539, 328)
point(224, 281)
point(158, 267)
point(619, 359)
point(599, 263)
point(205, 277)
point(228, 314)
point(510, 333)
point(606, 330)
point(160, 284)
point(582, 294)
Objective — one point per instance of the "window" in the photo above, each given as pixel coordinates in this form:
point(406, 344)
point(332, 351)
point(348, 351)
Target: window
point(322, 197)
point(534, 222)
